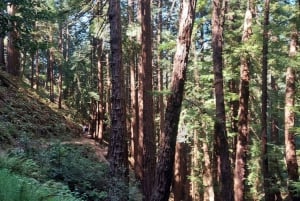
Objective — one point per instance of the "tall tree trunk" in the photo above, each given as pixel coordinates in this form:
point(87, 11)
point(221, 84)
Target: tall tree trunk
point(289, 133)
point(100, 110)
point(2, 60)
point(37, 70)
point(160, 74)
point(208, 194)
point(221, 142)
point(51, 68)
point(164, 168)
point(275, 161)
point(240, 171)
point(180, 172)
point(264, 101)
point(13, 54)
point(133, 93)
point(146, 120)
point(32, 71)
point(118, 152)
point(60, 66)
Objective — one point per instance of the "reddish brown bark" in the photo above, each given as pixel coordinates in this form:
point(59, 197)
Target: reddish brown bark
point(13, 54)
point(146, 141)
point(290, 143)
point(221, 143)
point(164, 168)
point(240, 171)
point(180, 172)
point(264, 102)
point(118, 152)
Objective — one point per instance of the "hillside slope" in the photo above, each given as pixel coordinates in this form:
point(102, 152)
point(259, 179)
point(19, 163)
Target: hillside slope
point(24, 115)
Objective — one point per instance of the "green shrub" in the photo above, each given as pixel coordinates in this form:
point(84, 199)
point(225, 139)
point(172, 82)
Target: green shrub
point(78, 167)
point(18, 188)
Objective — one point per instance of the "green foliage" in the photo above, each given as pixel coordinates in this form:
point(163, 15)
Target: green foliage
point(20, 188)
point(77, 167)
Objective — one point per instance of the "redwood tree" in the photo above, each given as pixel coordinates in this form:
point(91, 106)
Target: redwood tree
point(221, 142)
point(289, 122)
point(13, 54)
point(243, 130)
point(146, 143)
point(164, 168)
point(264, 100)
point(117, 153)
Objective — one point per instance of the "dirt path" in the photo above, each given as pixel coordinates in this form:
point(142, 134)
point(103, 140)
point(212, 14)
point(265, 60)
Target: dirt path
point(100, 150)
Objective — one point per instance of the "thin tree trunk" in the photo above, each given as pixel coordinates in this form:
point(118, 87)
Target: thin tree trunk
point(60, 66)
point(2, 60)
point(164, 168)
point(240, 171)
point(32, 71)
point(100, 111)
point(146, 121)
point(208, 194)
point(133, 93)
point(160, 74)
point(118, 152)
point(51, 65)
point(37, 70)
point(289, 133)
point(264, 102)
point(221, 142)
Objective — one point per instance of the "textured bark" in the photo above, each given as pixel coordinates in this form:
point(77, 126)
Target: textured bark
point(160, 74)
point(118, 152)
point(221, 142)
point(180, 172)
point(60, 66)
point(289, 134)
point(100, 107)
point(264, 102)
point(13, 54)
point(146, 141)
point(209, 194)
point(37, 70)
point(133, 93)
point(240, 171)
point(2, 60)
point(50, 69)
point(164, 168)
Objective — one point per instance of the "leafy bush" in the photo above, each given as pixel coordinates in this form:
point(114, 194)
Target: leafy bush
point(78, 167)
point(18, 188)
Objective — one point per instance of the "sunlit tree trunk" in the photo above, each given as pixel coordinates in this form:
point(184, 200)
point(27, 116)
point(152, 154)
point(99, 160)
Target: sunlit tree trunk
point(133, 91)
point(13, 54)
point(208, 194)
point(164, 168)
point(264, 101)
point(147, 147)
point(240, 171)
point(289, 133)
point(160, 73)
point(221, 142)
point(100, 107)
point(118, 152)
